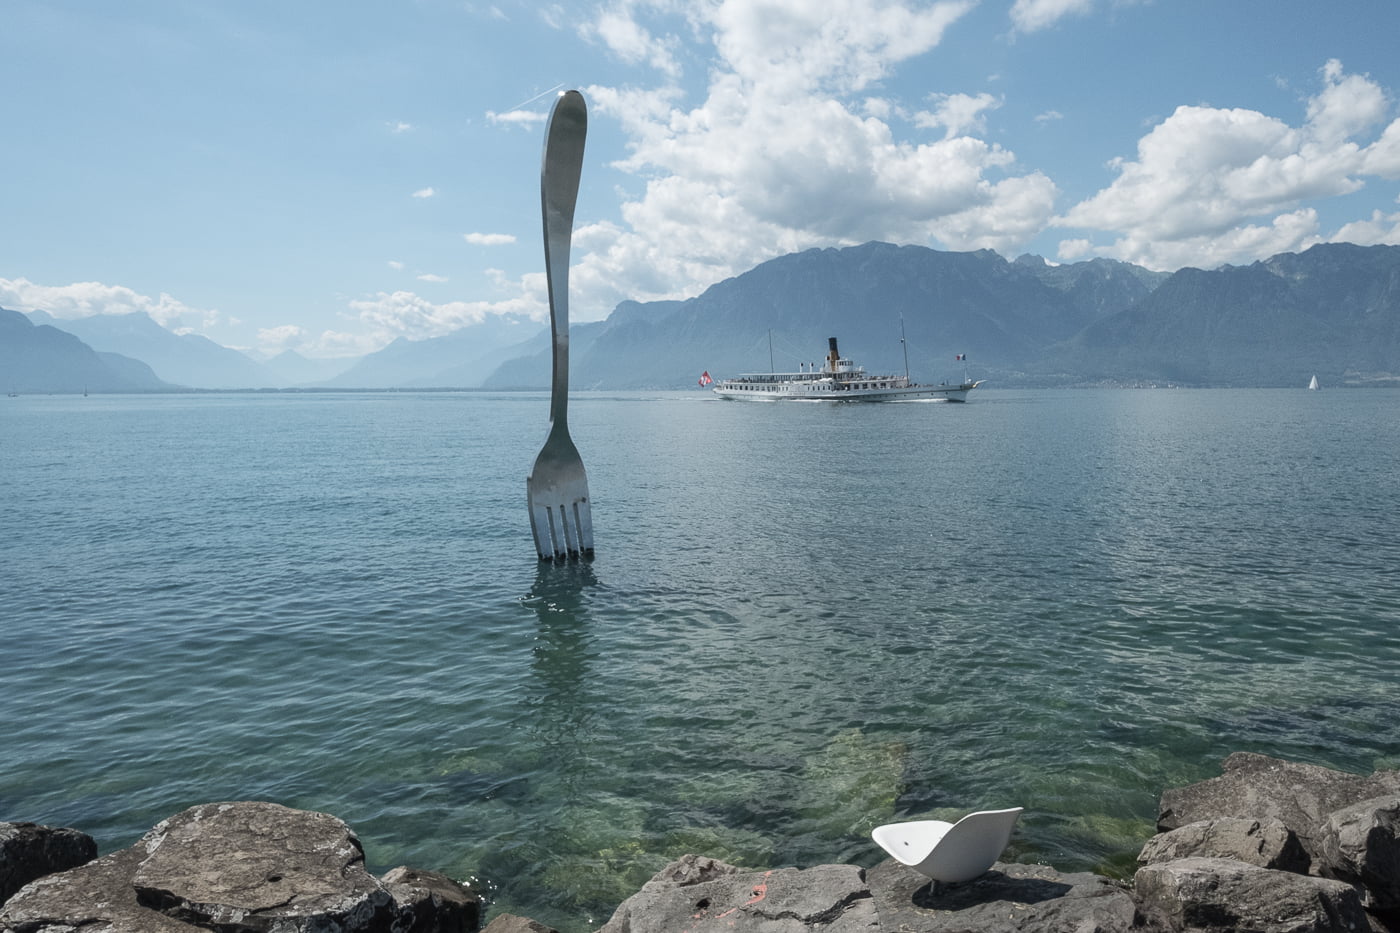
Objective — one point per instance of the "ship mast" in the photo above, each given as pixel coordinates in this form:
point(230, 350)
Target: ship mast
point(905, 344)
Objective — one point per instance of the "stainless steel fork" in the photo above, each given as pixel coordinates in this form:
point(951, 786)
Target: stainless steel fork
point(557, 488)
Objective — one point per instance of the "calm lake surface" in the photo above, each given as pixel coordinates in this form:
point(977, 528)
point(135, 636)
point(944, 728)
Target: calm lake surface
point(802, 620)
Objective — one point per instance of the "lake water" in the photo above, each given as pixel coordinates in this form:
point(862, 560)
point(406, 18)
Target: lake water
point(802, 619)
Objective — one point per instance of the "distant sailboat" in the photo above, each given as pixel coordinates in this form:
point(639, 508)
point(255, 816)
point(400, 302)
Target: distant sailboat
point(1313, 385)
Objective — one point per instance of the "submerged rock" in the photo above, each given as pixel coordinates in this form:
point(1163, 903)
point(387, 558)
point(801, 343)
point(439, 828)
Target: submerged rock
point(513, 923)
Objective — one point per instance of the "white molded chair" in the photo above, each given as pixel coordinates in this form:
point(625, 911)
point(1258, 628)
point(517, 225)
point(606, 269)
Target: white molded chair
point(950, 852)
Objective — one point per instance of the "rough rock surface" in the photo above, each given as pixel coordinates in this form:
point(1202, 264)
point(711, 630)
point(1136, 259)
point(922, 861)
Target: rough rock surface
point(1266, 843)
point(239, 868)
point(1025, 898)
point(255, 866)
point(1217, 895)
point(428, 902)
point(699, 895)
point(512, 923)
point(1361, 845)
point(96, 897)
point(29, 851)
point(1257, 787)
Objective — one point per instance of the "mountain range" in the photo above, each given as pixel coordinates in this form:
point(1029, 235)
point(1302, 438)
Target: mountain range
point(40, 358)
point(1333, 310)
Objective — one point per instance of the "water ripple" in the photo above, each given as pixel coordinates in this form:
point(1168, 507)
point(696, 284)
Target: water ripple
point(801, 621)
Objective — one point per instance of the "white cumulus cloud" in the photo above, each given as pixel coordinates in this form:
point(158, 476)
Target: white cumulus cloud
point(630, 41)
point(387, 315)
point(787, 149)
point(1379, 230)
point(1034, 15)
point(489, 239)
point(1212, 185)
point(273, 340)
point(958, 114)
point(517, 117)
point(85, 299)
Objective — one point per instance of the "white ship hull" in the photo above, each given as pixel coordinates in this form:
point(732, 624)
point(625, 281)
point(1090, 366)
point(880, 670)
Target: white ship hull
point(838, 381)
point(744, 390)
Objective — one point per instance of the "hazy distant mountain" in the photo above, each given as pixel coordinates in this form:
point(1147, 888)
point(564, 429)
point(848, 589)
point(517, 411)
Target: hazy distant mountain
point(462, 359)
point(42, 359)
point(290, 368)
point(531, 363)
point(183, 359)
point(1333, 311)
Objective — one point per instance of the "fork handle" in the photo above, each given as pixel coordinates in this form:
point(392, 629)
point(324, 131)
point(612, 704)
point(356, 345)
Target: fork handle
point(559, 177)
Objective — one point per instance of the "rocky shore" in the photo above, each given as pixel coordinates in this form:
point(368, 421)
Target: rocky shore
point(1269, 846)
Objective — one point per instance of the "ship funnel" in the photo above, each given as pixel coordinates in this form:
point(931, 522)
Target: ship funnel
point(834, 355)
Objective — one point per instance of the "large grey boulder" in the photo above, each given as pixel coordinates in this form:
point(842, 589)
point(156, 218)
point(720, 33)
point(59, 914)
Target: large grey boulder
point(1360, 844)
point(1266, 843)
point(241, 868)
point(698, 895)
point(96, 898)
point(1218, 895)
point(1257, 787)
point(1010, 897)
point(255, 867)
point(514, 923)
point(29, 851)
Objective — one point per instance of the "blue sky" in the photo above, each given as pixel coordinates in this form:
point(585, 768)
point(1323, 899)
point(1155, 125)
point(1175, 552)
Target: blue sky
point(327, 176)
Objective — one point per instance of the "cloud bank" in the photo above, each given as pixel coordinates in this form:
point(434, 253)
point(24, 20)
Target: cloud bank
point(787, 148)
point(84, 299)
point(1212, 186)
point(756, 128)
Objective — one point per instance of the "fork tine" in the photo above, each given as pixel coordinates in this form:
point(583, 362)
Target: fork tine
point(562, 530)
point(547, 541)
point(539, 522)
point(583, 518)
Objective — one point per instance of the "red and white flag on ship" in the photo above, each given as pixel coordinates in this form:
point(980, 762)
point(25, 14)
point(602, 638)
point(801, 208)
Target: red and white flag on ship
point(960, 356)
point(705, 378)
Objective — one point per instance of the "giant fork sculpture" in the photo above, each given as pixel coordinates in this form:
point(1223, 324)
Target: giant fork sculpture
point(557, 488)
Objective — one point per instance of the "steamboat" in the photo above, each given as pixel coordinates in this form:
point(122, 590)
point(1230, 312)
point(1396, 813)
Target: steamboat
point(839, 380)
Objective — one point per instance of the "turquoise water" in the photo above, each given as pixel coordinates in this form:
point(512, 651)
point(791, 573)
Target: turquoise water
point(802, 620)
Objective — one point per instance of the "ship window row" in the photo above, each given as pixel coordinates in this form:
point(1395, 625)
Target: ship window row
point(752, 387)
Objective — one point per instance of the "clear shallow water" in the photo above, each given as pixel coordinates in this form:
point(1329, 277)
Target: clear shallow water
point(802, 620)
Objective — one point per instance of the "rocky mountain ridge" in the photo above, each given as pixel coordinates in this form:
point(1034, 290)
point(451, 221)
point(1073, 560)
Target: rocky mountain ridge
point(1332, 310)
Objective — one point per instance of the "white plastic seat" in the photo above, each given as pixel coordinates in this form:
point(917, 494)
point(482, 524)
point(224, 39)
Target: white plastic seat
point(950, 852)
